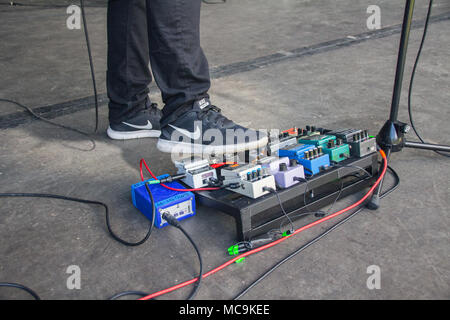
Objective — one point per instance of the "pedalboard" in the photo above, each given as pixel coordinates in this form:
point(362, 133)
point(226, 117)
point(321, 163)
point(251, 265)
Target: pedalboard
point(179, 204)
point(198, 172)
point(297, 165)
point(258, 216)
point(249, 180)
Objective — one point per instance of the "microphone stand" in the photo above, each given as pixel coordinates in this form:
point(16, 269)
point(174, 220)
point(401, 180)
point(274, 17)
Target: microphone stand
point(391, 137)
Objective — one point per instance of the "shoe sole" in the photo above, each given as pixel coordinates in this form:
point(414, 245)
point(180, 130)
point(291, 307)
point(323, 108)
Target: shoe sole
point(127, 135)
point(169, 146)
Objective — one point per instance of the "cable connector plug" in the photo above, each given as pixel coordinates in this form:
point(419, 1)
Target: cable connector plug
point(168, 179)
point(269, 189)
point(173, 178)
point(287, 233)
point(171, 219)
point(239, 248)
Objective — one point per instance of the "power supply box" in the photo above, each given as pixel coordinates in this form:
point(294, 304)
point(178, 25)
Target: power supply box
point(180, 204)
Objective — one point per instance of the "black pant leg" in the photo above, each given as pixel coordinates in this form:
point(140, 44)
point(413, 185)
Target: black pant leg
point(128, 74)
point(179, 65)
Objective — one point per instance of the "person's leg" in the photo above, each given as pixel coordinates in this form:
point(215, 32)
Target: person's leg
point(178, 63)
point(128, 74)
point(190, 123)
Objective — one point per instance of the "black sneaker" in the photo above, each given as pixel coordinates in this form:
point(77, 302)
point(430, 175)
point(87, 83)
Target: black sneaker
point(145, 124)
point(202, 129)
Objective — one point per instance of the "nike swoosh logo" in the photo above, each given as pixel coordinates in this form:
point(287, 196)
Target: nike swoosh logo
point(148, 126)
point(193, 135)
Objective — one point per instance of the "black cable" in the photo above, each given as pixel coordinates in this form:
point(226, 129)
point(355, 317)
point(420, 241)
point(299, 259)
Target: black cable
point(51, 122)
point(107, 218)
point(175, 223)
point(337, 198)
point(214, 2)
point(20, 4)
point(278, 264)
point(128, 293)
point(306, 188)
point(196, 285)
point(425, 30)
point(369, 175)
point(43, 6)
point(396, 182)
point(21, 287)
point(322, 213)
point(91, 64)
point(281, 206)
point(108, 224)
point(200, 274)
point(352, 166)
point(311, 242)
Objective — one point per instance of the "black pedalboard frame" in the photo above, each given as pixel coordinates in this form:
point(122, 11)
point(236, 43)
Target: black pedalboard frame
point(254, 217)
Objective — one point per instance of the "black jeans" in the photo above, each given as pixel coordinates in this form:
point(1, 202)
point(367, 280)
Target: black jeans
point(164, 34)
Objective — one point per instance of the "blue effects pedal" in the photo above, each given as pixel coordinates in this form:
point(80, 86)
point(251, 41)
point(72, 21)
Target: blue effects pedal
point(180, 204)
point(310, 157)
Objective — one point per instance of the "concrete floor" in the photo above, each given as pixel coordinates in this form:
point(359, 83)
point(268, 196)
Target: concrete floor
point(43, 63)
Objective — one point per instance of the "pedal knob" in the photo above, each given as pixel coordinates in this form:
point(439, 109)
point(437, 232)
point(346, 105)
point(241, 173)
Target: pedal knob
point(283, 167)
point(315, 153)
point(320, 150)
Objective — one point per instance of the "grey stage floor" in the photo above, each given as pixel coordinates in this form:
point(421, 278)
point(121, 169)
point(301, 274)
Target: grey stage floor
point(271, 68)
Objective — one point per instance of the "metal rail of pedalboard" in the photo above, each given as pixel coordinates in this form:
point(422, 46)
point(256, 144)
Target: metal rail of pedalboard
point(257, 216)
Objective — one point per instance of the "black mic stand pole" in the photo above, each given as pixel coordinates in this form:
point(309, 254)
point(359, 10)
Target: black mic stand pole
point(391, 137)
